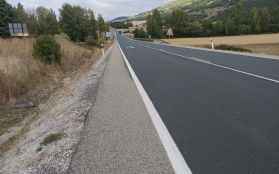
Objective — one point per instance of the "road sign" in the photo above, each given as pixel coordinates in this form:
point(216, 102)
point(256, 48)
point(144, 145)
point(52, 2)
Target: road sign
point(18, 29)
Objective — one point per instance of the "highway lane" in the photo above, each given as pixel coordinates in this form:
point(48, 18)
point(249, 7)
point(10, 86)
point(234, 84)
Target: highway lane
point(223, 121)
point(264, 67)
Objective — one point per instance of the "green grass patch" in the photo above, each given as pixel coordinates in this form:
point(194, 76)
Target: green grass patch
point(52, 138)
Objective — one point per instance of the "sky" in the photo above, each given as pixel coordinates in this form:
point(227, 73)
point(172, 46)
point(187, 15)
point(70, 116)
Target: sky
point(110, 9)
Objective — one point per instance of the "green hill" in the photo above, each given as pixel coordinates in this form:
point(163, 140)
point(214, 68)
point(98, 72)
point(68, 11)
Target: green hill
point(206, 8)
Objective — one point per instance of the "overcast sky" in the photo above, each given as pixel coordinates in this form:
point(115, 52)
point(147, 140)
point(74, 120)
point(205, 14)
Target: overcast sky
point(108, 8)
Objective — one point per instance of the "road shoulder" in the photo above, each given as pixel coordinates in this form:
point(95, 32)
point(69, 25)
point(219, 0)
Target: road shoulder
point(119, 136)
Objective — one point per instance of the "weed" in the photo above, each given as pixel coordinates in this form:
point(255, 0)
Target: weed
point(51, 138)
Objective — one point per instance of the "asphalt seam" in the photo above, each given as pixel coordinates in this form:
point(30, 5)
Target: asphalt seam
point(214, 64)
point(176, 158)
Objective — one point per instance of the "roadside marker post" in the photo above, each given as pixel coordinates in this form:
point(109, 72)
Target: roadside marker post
point(212, 44)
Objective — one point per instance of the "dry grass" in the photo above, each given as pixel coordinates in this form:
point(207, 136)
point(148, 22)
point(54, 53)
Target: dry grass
point(23, 77)
point(73, 55)
point(265, 43)
point(20, 72)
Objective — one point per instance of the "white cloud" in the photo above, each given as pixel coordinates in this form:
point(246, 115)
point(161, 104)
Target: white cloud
point(108, 8)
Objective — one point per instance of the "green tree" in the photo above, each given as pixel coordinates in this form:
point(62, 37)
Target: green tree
point(218, 27)
point(230, 26)
point(47, 50)
point(140, 33)
point(7, 15)
point(21, 15)
point(101, 24)
point(47, 21)
point(256, 20)
point(195, 28)
point(154, 24)
point(93, 26)
point(80, 24)
point(74, 21)
point(265, 19)
point(32, 23)
point(179, 21)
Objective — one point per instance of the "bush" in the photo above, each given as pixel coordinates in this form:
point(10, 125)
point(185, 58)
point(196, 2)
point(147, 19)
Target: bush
point(232, 48)
point(90, 40)
point(47, 50)
point(140, 33)
point(51, 138)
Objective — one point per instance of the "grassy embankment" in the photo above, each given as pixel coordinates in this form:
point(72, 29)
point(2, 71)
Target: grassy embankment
point(262, 44)
point(24, 78)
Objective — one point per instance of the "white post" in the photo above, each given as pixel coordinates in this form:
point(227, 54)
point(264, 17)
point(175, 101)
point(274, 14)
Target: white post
point(103, 51)
point(212, 44)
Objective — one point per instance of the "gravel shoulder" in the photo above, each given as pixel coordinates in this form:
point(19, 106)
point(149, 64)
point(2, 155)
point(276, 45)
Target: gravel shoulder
point(47, 144)
point(119, 136)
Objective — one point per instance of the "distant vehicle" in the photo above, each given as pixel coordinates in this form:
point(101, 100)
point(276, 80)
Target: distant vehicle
point(18, 30)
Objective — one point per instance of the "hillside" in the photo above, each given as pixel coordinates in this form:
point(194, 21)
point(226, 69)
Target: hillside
point(206, 8)
point(120, 19)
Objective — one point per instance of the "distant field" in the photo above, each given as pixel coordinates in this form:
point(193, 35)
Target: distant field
point(265, 43)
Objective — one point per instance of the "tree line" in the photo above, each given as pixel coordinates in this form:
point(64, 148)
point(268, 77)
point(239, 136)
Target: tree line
point(77, 22)
point(237, 20)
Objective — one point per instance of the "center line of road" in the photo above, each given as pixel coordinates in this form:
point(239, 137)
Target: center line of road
point(214, 64)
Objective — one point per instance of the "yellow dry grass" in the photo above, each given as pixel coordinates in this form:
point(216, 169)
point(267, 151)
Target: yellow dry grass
point(228, 40)
point(20, 72)
point(264, 43)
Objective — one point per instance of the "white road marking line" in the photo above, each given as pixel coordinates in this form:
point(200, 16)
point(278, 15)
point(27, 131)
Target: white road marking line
point(176, 158)
point(131, 47)
point(214, 64)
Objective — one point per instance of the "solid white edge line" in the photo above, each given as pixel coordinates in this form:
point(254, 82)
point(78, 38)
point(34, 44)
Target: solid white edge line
point(176, 158)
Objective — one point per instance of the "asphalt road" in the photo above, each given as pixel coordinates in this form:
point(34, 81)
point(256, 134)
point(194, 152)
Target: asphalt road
point(221, 109)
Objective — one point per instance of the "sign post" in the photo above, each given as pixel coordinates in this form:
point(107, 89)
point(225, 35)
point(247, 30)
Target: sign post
point(170, 33)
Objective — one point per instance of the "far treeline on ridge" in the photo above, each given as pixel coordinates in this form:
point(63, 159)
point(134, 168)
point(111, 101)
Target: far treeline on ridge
point(237, 19)
point(80, 24)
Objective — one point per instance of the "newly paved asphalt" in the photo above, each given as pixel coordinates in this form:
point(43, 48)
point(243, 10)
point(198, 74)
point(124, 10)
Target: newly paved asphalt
point(224, 121)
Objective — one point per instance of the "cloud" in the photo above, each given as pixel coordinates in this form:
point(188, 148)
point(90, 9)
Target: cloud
point(108, 8)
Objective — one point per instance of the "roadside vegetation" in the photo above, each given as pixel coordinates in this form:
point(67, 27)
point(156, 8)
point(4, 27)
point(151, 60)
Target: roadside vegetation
point(32, 68)
point(232, 48)
point(259, 43)
point(236, 17)
point(236, 25)
point(27, 62)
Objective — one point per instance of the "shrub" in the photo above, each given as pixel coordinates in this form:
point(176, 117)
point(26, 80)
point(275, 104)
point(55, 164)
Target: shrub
point(47, 50)
point(232, 48)
point(92, 41)
point(51, 138)
point(140, 33)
